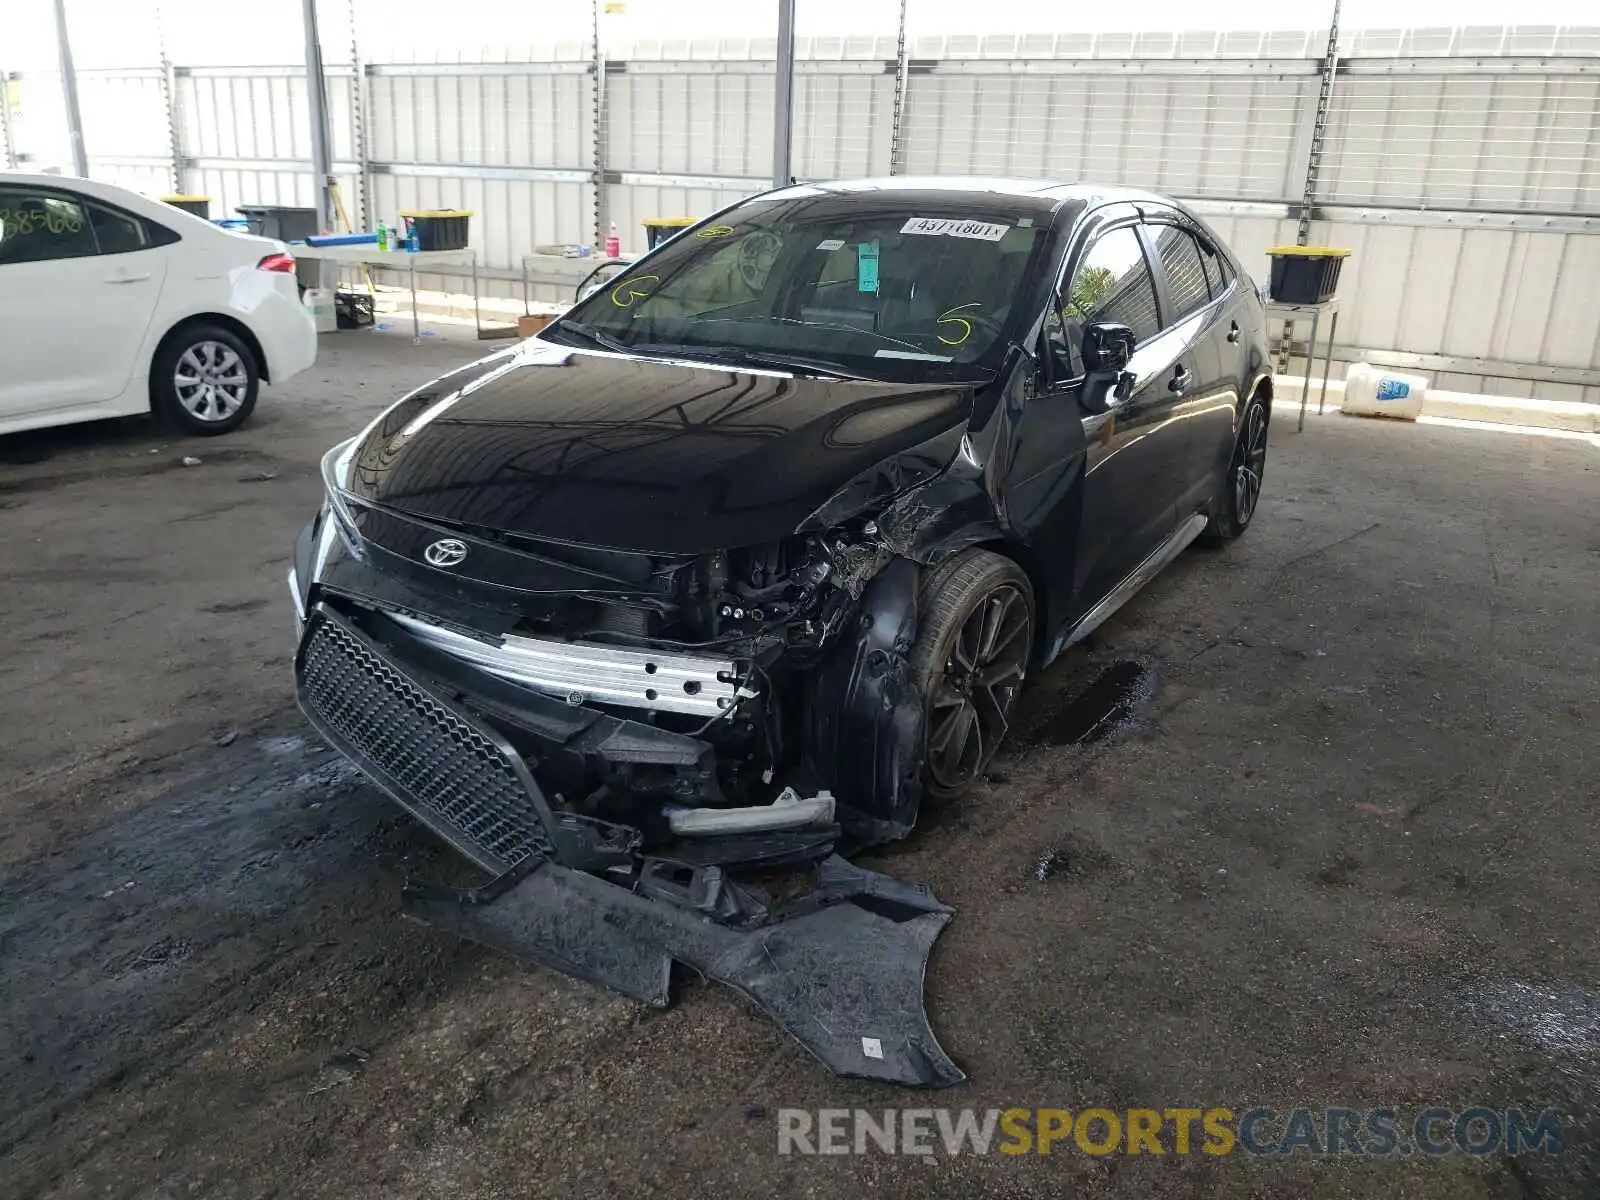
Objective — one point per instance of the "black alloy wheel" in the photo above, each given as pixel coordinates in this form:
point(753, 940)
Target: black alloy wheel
point(1252, 465)
point(974, 641)
point(1239, 491)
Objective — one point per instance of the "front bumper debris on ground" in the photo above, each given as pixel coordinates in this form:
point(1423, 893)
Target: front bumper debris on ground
point(834, 953)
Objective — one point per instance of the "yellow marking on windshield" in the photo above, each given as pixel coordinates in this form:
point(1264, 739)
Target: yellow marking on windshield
point(715, 231)
point(626, 292)
point(948, 317)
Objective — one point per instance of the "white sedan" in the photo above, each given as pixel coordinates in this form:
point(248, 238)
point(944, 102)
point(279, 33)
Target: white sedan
point(113, 304)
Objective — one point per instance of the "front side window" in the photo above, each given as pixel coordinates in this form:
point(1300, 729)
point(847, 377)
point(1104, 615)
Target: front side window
point(36, 226)
point(1186, 274)
point(913, 290)
point(1112, 283)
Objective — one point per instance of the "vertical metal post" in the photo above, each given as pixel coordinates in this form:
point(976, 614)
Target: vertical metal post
point(1319, 128)
point(602, 134)
point(169, 99)
point(69, 93)
point(783, 99)
point(317, 106)
point(8, 142)
point(358, 116)
point(902, 70)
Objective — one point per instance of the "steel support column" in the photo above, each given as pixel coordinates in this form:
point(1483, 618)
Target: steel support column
point(317, 106)
point(902, 68)
point(169, 100)
point(783, 100)
point(69, 93)
point(602, 135)
point(359, 108)
point(1308, 199)
point(8, 138)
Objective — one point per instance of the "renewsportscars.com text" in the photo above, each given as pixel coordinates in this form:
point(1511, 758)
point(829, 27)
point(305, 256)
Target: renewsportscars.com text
point(1258, 1130)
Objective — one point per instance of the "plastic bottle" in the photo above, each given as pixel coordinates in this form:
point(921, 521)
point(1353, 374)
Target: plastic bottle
point(614, 242)
point(383, 236)
point(413, 238)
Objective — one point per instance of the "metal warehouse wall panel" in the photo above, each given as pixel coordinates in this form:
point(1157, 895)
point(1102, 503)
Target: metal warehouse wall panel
point(1461, 165)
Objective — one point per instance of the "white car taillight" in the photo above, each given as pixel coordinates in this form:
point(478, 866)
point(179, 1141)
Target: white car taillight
point(277, 262)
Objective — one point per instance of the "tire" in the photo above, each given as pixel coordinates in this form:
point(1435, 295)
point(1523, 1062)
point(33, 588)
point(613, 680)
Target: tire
point(957, 650)
point(225, 375)
point(1239, 490)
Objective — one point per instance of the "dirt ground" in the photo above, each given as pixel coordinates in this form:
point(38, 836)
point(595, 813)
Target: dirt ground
point(1345, 855)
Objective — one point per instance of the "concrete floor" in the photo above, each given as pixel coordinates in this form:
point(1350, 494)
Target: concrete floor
point(1344, 856)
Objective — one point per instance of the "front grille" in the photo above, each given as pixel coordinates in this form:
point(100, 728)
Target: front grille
point(451, 773)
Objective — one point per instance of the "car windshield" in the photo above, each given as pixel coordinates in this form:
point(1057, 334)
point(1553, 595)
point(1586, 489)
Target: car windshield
point(834, 284)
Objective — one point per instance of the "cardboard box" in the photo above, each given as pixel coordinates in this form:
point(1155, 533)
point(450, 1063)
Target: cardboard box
point(529, 325)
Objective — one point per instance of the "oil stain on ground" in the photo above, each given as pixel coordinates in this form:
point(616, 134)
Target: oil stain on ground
point(1107, 706)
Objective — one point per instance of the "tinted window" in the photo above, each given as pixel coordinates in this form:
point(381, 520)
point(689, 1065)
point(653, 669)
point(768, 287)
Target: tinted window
point(1216, 267)
point(927, 290)
point(117, 232)
point(1112, 283)
point(36, 226)
point(1186, 274)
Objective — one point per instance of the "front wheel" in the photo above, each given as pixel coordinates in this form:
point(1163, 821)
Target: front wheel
point(1239, 490)
point(974, 640)
point(204, 381)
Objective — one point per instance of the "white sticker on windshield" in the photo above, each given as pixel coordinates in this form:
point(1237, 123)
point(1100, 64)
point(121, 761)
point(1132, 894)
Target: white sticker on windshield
point(913, 355)
point(831, 244)
point(983, 231)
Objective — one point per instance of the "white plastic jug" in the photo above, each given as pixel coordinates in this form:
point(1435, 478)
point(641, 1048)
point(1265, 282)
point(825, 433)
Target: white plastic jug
point(319, 303)
point(1376, 392)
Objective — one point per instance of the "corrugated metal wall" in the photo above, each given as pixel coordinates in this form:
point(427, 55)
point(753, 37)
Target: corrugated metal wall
point(1461, 166)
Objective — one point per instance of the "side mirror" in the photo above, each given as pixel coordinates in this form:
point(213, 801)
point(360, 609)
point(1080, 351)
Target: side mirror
point(1107, 347)
point(1107, 350)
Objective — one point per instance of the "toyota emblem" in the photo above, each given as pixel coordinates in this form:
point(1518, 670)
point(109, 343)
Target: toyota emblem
point(446, 552)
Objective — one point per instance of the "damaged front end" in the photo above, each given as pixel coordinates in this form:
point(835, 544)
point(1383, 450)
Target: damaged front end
point(656, 757)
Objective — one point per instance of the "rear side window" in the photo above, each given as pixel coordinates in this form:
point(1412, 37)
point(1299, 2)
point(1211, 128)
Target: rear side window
point(36, 226)
point(118, 232)
point(1187, 284)
point(1218, 277)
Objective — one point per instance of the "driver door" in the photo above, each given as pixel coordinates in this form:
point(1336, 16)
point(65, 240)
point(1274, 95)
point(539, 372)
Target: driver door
point(1128, 487)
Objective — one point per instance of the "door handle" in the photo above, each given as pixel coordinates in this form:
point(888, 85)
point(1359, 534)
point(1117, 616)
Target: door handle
point(1181, 378)
point(1233, 331)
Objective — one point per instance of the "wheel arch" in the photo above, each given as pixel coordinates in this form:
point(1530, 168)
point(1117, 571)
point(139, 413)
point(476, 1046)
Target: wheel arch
point(1032, 566)
point(1263, 388)
point(232, 324)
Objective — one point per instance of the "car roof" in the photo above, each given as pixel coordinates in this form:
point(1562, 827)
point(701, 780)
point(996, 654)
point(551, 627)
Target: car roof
point(111, 193)
point(1045, 193)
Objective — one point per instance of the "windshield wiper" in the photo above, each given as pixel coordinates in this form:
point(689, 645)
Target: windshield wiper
point(735, 355)
point(604, 340)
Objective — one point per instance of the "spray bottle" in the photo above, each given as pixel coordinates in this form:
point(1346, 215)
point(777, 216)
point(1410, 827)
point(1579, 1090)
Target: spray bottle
point(614, 242)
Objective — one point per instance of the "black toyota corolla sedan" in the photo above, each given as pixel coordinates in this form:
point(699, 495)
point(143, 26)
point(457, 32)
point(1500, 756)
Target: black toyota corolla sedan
point(748, 555)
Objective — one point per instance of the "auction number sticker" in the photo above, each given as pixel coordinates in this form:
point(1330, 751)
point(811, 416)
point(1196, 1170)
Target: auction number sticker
point(59, 219)
point(983, 231)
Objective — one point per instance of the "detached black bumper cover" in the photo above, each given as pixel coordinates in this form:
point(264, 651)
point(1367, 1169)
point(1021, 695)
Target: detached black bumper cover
point(841, 969)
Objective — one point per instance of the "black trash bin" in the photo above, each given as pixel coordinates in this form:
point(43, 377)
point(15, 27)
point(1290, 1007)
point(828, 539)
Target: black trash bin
point(287, 225)
point(440, 228)
point(277, 221)
point(659, 229)
point(1305, 274)
point(200, 206)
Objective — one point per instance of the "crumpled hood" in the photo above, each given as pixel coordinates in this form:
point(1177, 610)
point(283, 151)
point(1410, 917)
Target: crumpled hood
point(648, 456)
